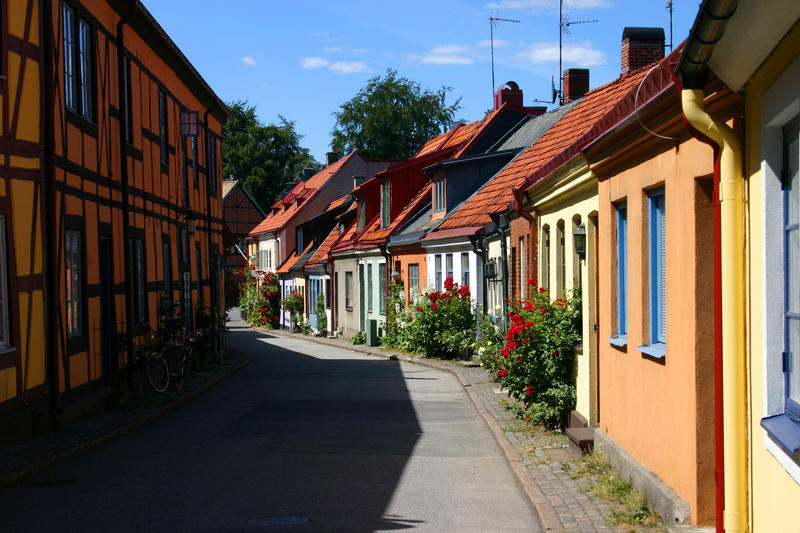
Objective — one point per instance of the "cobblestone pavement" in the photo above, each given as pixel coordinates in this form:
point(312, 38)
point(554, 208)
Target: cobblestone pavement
point(18, 461)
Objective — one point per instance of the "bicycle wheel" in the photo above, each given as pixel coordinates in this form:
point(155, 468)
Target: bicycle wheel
point(157, 372)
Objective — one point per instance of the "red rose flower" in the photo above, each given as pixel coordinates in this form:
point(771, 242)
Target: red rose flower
point(448, 283)
point(435, 306)
point(502, 373)
point(542, 310)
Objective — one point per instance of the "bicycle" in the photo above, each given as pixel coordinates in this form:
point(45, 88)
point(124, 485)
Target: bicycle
point(170, 363)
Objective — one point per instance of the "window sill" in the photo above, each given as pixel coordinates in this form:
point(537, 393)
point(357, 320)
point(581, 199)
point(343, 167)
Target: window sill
point(620, 341)
point(656, 351)
point(785, 432)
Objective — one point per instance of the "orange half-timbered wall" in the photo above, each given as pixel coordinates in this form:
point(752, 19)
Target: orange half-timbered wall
point(22, 350)
point(125, 203)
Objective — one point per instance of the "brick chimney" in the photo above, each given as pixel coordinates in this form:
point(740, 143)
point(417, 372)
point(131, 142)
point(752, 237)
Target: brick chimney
point(508, 92)
point(576, 84)
point(332, 157)
point(640, 47)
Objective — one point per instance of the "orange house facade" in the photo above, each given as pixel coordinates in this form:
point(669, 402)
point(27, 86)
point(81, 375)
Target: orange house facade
point(133, 202)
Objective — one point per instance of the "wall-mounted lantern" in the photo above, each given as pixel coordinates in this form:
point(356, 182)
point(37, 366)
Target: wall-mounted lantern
point(580, 241)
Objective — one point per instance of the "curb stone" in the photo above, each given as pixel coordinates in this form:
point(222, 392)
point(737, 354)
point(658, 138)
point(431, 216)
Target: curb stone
point(14, 477)
point(546, 514)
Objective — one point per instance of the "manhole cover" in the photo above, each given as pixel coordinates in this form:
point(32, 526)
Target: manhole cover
point(278, 521)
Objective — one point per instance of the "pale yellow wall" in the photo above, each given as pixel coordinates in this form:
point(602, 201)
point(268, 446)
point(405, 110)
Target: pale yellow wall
point(773, 491)
point(574, 194)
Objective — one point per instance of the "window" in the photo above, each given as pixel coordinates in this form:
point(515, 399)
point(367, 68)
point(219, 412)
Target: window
point(448, 263)
point(262, 260)
point(544, 278)
point(5, 340)
point(561, 266)
point(185, 185)
point(162, 127)
point(622, 274)
point(298, 239)
point(328, 293)
point(369, 287)
point(382, 288)
point(212, 162)
point(78, 60)
point(74, 262)
point(464, 269)
point(348, 290)
point(438, 270)
point(385, 204)
point(138, 302)
point(439, 199)
point(166, 257)
point(194, 160)
point(413, 280)
point(522, 276)
point(791, 210)
point(362, 215)
point(657, 281)
point(128, 103)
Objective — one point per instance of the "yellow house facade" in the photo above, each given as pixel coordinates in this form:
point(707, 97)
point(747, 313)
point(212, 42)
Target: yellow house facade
point(566, 203)
point(757, 53)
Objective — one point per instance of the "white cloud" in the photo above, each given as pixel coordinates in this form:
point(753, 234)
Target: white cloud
point(445, 54)
point(339, 67)
point(498, 43)
point(349, 67)
point(544, 4)
point(331, 49)
point(324, 37)
point(314, 62)
point(249, 61)
point(358, 51)
point(576, 54)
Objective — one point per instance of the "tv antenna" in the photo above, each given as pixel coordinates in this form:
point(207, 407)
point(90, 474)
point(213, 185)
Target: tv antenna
point(492, 23)
point(563, 27)
point(670, 7)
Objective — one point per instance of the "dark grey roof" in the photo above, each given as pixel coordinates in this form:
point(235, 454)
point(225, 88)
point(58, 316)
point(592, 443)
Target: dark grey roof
point(530, 132)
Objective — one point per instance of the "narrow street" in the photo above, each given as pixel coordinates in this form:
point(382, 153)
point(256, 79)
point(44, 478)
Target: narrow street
point(348, 442)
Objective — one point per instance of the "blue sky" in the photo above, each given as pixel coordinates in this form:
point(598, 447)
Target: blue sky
point(303, 60)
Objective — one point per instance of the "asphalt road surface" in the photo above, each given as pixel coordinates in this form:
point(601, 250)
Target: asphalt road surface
point(331, 439)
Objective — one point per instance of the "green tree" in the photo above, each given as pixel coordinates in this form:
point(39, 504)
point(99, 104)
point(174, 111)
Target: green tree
point(392, 118)
point(263, 157)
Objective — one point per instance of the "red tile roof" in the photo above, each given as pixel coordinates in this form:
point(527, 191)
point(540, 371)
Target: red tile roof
point(321, 255)
point(339, 201)
point(376, 233)
point(289, 263)
point(561, 142)
point(303, 190)
point(449, 139)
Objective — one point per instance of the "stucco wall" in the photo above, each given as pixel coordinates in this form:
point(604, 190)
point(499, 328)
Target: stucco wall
point(775, 477)
point(346, 319)
point(652, 407)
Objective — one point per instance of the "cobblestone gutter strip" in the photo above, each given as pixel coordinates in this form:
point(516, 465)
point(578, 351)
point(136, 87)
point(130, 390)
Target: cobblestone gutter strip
point(546, 513)
point(20, 461)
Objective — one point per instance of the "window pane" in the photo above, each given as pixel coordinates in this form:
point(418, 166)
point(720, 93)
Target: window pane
point(622, 271)
point(793, 347)
point(464, 269)
point(413, 280)
point(348, 289)
point(369, 287)
point(382, 288)
point(449, 265)
point(438, 262)
point(69, 58)
point(85, 58)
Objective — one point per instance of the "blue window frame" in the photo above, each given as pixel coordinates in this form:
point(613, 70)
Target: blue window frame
point(657, 283)
point(791, 209)
point(622, 276)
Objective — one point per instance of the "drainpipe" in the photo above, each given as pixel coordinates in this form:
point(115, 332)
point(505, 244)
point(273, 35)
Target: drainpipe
point(732, 278)
point(123, 157)
point(519, 199)
point(50, 236)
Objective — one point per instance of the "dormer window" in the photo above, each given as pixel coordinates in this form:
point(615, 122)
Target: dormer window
point(439, 198)
point(362, 215)
point(385, 204)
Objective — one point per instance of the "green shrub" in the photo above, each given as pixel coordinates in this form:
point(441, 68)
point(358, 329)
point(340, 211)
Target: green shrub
point(294, 305)
point(442, 323)
point(359, 338)
point(261, 301)
point(395, 315)
point(322, 318)
point(536, 363)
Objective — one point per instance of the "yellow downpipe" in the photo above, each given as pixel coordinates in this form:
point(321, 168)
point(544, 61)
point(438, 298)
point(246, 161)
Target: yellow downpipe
point(733, 352)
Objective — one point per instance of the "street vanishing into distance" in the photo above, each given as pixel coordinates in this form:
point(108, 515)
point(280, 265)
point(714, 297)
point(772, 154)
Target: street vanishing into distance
point(345, 441)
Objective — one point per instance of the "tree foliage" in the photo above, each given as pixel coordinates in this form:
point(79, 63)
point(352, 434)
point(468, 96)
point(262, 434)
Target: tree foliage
point(392, 118)
point(263, 157)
